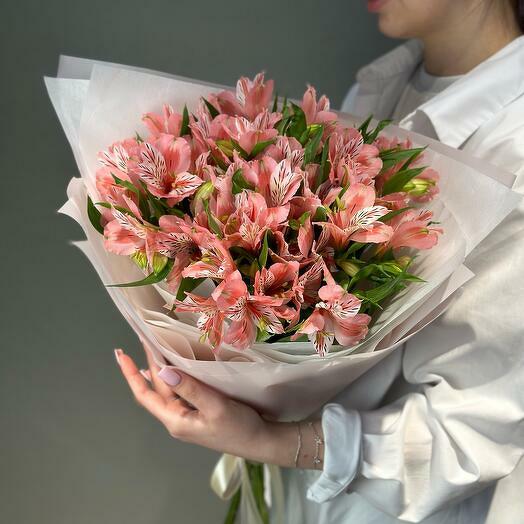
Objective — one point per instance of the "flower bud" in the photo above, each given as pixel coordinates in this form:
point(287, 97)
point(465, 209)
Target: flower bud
point(159, 262)
point(140, 259)
point(404, 261)
point(348, 267)
point(204, 191)
point(418, 186)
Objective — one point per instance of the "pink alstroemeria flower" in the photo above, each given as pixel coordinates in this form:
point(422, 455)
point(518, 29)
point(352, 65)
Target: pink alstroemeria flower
point(335, 316)
point(211, 320)
point(248, 133)
point(169, 122)
point(286, 148)
point(174, 240)
point(316, 112)
point(279, 281)
point(246, 312)
point(164, 168)
point(411, 229)
point(246, 227)
point(214, 261)
point(358, 219)
point(251, 97)
point(125, 234)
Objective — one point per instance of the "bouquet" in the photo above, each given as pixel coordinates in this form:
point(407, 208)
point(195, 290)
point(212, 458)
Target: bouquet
point(299, 221)
point(256, 242)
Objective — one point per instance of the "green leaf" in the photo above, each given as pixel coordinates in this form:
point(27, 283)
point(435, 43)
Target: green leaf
point(297, 224)
point(363, 128)
point(310, 151)
point(325, 165)
point(391, 157)
point(126, 184)
point(353, 248)
point(260, 146)
point(320, 214)
point(284, 105)
point(184, 128)
point(186, 286)
point(394, 213)
point(298, 123)
point(371, 137)
point(94, 216)
point(152, 278)
point(400, 179)
point(239, 182)
point(243, 153)
point(275, 104)
point(213, 111)
point(262, 259)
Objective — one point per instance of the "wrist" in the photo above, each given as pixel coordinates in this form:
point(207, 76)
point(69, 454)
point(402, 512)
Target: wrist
point(278, 444)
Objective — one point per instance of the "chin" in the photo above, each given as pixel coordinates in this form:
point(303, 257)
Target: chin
point(393, 27)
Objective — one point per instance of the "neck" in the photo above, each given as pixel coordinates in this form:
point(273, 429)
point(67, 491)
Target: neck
point(457, 49)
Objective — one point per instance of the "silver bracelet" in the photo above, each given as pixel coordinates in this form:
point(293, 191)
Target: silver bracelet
point(318, 442)
point(299, 444)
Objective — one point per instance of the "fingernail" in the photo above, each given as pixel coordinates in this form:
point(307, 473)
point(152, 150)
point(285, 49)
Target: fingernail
point(169, 376)
point(118, 352)
point(146, 374)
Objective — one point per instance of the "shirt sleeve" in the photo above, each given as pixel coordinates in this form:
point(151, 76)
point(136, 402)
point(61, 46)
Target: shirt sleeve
point(461, 425)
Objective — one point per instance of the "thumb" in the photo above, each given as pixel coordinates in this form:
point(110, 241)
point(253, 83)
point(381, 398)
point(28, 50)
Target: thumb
point(203, 397)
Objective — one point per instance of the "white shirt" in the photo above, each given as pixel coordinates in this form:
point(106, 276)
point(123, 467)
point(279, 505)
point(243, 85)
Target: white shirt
point(434, 433)
point(421, 87)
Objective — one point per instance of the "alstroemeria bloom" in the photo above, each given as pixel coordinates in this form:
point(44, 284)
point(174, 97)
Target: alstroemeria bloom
point(174, 240)
point(169, 122)
point(214, 262)
point(249, 133)
point(125, 235)
point(412, 229)
point(164, 168)
point(279, 281)
point(211, 320)
point(335, 316)
point(251, 97)
point(358, 219)
point(246, 227)
point(246, 312)
point(316, 112)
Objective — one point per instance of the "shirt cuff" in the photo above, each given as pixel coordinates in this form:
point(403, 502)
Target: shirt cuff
point(342, 452)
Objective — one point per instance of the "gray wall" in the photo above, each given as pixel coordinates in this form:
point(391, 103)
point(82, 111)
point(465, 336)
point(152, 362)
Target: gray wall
point(74, 447)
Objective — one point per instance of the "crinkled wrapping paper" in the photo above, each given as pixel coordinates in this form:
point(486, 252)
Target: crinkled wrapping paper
point(99, 104)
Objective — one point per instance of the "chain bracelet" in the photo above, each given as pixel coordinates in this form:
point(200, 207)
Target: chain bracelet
point(318, 442)
point(299, 444)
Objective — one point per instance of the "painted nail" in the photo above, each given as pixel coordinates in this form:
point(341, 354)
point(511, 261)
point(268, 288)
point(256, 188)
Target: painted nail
point(146, 374)
point(169, 376)
point(118, 352)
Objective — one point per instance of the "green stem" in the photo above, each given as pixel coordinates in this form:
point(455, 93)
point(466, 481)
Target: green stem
point(233, 508)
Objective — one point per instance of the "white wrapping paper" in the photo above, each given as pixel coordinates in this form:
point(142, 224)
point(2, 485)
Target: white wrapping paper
point(98, 104)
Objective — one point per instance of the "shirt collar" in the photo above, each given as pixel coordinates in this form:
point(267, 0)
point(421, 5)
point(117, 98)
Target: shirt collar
point(458, 111)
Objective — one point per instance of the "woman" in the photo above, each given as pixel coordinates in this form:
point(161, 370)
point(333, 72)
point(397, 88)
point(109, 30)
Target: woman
point(426, 434)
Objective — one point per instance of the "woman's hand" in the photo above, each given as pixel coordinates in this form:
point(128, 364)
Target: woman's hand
point(196, 413)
